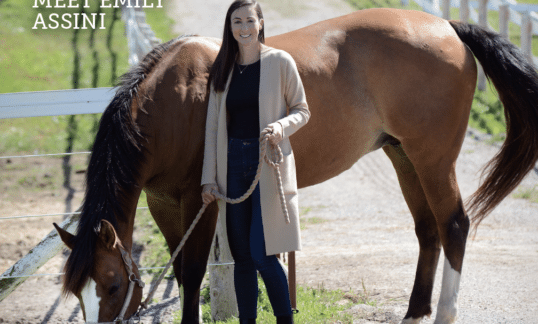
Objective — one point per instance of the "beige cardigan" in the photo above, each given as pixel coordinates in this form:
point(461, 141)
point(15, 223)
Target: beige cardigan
point(280, 89)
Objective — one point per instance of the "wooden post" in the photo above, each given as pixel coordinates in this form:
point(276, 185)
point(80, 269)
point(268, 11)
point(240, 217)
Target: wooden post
point(483, 22)
point(526, 36)
point(221, 277)
point(446, 9)
point(504, 19)
point(464, 10)
point(292, 281)
point(38, 256)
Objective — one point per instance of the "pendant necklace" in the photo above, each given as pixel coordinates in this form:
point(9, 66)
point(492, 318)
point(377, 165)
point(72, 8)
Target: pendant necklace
point(239, 67)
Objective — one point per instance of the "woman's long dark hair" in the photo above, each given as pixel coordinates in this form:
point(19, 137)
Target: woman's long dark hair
point(229, 48)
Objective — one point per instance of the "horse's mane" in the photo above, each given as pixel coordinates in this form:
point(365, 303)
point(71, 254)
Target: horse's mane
point(118, 152)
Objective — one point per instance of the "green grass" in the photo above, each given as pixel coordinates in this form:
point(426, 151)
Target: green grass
point(315, 305)
point(530, 194)
point(55, 59)
point(44, 59)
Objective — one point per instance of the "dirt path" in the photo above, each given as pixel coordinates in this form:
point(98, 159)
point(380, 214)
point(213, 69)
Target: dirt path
point(358, 233)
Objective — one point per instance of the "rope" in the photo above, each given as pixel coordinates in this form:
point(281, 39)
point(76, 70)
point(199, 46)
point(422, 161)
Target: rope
point(263, 155)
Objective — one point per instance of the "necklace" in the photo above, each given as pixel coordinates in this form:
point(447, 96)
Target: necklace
point(239, 67)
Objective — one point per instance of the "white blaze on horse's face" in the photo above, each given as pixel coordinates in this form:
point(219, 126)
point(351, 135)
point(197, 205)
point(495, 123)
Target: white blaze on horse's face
point(90, 301)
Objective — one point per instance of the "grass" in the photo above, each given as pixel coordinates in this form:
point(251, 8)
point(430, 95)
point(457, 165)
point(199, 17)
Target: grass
point(530, 194)
point(55, 59)
point(312, 220)
point(46, 59)
point(315, 305)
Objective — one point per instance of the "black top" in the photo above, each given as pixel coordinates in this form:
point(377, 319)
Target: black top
point(242, 102)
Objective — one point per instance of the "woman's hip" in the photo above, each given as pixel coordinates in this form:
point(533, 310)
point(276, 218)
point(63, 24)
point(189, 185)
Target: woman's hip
point(243, 157)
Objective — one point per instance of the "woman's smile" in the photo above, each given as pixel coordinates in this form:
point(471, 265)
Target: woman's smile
point(246, 26)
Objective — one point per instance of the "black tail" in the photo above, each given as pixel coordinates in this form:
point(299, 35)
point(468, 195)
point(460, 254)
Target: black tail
point(516, 82)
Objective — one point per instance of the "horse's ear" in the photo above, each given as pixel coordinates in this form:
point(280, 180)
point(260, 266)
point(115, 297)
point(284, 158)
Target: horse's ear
point(107, 234)
point(67, 238)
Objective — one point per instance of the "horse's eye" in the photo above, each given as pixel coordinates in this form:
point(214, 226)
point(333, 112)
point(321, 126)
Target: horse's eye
point(113, 289)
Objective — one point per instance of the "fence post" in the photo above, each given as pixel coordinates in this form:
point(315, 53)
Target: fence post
point(435, 5)
point(464, 10)
point(483, 22)
point(526, 36)
point(221, 278)
point(504, 19)
point(446, 9)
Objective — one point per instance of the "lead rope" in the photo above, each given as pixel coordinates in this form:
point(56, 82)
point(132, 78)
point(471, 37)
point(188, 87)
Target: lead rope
point(263, 155)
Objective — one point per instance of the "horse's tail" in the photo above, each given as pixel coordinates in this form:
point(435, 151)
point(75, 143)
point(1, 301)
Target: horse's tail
point(516, 82)
point(113, 170)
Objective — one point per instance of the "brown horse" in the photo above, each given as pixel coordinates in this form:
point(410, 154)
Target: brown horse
point(381, 78)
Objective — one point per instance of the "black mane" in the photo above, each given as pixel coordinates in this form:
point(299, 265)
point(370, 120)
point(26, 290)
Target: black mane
point(118, 152)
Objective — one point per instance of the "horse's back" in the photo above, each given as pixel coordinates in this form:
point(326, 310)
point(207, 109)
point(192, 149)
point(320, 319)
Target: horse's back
point(375, 77)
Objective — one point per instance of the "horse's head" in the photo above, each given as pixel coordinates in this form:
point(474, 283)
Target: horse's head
point(103, 292)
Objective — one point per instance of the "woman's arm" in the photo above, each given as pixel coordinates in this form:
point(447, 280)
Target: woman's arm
point(295, 99)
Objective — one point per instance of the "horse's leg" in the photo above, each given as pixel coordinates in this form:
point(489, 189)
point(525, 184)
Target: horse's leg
point(196, 251)
point(174, 217)
point(167, 216)
point(426, 231)
point(435, 168)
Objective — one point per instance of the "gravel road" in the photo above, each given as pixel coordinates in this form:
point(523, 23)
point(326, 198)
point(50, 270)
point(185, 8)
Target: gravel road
point(358, 233)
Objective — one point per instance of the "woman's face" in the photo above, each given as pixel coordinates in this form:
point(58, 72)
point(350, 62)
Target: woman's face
point(246, 26)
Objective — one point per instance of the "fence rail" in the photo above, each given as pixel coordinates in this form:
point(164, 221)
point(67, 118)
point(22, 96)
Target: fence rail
point(54, 103)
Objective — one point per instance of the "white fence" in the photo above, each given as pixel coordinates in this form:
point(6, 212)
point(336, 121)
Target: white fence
point(523, 15)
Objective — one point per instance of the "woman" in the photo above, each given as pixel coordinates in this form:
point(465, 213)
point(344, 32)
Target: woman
point(251, 88)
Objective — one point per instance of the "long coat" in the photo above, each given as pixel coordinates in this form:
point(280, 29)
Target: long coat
point(282, 99)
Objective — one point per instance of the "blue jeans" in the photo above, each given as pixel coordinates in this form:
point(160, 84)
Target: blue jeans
point(245, 236)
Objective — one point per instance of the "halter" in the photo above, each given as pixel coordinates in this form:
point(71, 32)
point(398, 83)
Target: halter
point(132, 281)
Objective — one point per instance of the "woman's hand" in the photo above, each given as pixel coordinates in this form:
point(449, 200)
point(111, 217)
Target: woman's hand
point(275, 133)
point(207, 196)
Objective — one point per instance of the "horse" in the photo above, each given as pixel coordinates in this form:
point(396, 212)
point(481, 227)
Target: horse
point(393, 79)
